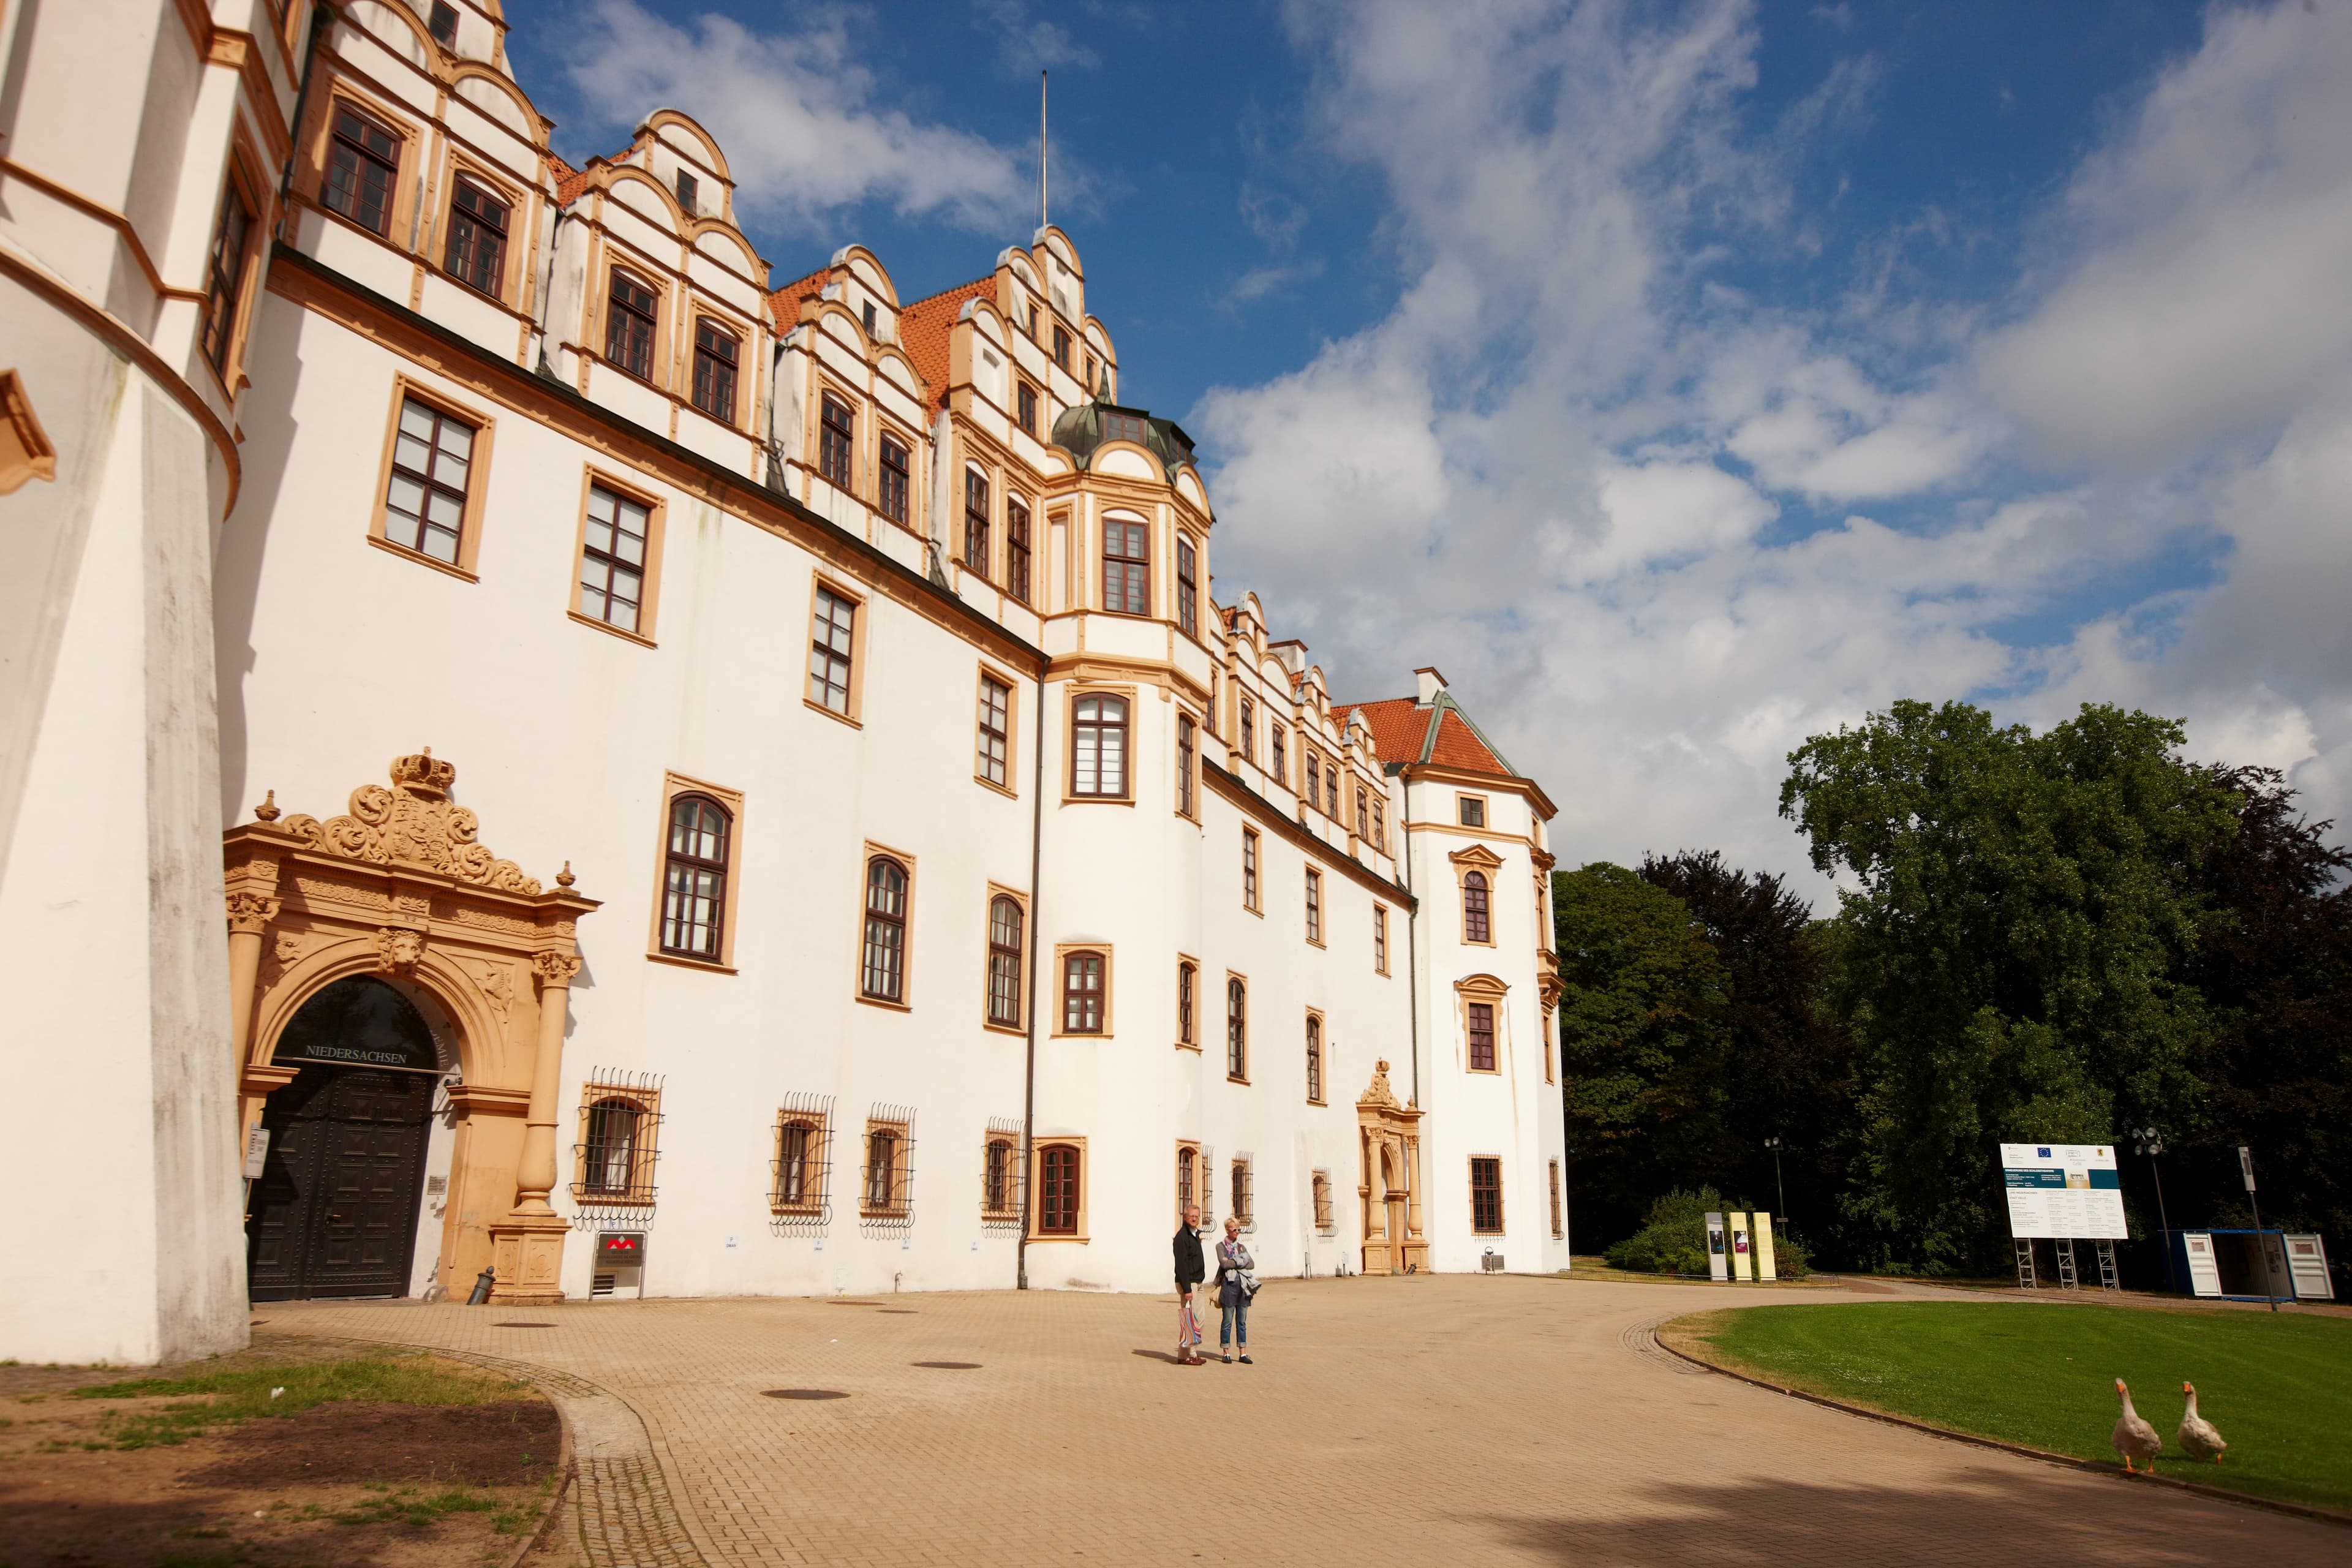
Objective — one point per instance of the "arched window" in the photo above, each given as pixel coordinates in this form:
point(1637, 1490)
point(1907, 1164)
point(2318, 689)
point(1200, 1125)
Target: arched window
point(1188, 978)
point(1188, 1160)
point(693, 880)
point(996, 1177)
point(882, 974)
point(1315, 1058)
point(800, 1163)
point(1474, 927)
point(884, 1188)
point(1082, 993)
point(1057, 1190)
point(1098, 746)
point(1322, 1188)
point(1236, 1028)
point(608, 1163)
point(1004, 961)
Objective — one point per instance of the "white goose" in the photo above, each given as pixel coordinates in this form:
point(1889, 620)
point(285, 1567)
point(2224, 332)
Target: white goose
point(2134, 1438)
point(2197, 1435)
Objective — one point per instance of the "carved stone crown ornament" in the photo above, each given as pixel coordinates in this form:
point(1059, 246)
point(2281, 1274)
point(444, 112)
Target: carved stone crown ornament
point(1377, 1091)
point(413, 823)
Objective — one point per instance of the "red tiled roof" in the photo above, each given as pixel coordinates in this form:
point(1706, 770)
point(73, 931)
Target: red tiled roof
point(925, 326)
point(1459, 747)
point(569, 182)
point(784, 304)
point(1400, 726)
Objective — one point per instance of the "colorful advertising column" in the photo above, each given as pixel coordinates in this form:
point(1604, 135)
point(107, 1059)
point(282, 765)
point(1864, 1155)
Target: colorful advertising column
point(1718, 1266)
point(1740, 1271)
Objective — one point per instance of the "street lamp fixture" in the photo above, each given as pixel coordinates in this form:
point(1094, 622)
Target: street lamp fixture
point(1780, 1191)
point(2151, 1142)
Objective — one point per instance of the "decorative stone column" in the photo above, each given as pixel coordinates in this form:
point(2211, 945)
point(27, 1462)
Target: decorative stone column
point(528, 1245)
point(249, 914)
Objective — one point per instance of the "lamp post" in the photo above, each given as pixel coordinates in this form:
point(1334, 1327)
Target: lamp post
point(2151, 1143)
point(2261, 1251)
point(1780, 1192)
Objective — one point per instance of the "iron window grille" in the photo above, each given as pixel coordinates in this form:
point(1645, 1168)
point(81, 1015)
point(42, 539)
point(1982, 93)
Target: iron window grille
point(612, 558)
point(1188, 981)
point(1475, 925)
point(363, 166)
point(1188, 609)
point(1082, 993)
point(1058, 1177)
point(799, 1195)
point(1004, 951)
point(995, 749)
point(835, 443)
point(716, 351)
point(1314, 1059)
point(886, 1185)
point(1237, 1030)
point(1016, 549)
point(613, 1161)
point(1099, 747)
point(1314, 905)
point(1482, 1037)
point(1003, 1198)
point(1321, 1189)
point(1127, 569)
point(1239, 1195)
point(477, 252)
point(832, 637)
point(976, 521)
point(882, 973)
point(1186, 731)
point(224, 288)
point(894, 480)
point(1208, 1186)
point(694, 878)
point(629, 326)
point(1486, 1195)
point(432, 465)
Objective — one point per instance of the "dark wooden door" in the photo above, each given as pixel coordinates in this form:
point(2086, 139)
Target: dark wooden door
point(334, 1212)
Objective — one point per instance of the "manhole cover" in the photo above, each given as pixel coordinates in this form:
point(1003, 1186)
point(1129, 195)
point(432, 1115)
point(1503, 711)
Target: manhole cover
point(837, 1301)
point(522, 1325)
point(803, 1394)
point(950, 1365)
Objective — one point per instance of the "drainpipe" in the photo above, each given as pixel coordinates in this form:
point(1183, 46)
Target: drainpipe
point(1036, 930)
point(320, 14)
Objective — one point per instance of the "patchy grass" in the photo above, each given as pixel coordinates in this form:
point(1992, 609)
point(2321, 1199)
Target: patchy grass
point(213, 1399)
point(2279, 1387)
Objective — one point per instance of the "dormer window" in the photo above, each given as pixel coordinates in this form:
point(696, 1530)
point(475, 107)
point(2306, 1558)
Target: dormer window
point(478, 237)
point(689, 187)
point(629, 326)
point(715, 352)
point(1125, 428)
point(1024, 406)
point(869, 318)
point(362, 164)
point(444, 24)
point(1062, 347)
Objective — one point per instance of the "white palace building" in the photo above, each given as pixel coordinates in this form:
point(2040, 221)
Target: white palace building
point(643, 782)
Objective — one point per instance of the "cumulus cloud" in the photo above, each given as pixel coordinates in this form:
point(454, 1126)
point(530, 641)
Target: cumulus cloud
point(1659, 532)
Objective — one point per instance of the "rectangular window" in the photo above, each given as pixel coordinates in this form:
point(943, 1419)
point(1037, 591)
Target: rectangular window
point(1187, 1164)
point(1186, 742)
point(1557, 1229)
point(1380, 938)
point(1482, 1037)
point(444, 24)
point(1330, 789)
point(1057, 1190)
point(1314, 906)
point(697, 866)
point(976, 521)
point(1236, 1028)
point(1472, 810)
point(887, 1190)
point(1188, 612)
point(832, 637)
point(1016, 549)
point(994, 759)
point(1486, 1195)
point(1188, 985)
point(866, 314)
point(689, 188)
point(424, 505)
point(1062, 346)
point(1006, 921)
point(1000, 1189)
point(476, 253)
point(1090, 372)
point(629, 326)
point(1082, 993)
point(1363, 813)
point(362, 164)
point(1249, 868)
point(1127, 569)
point(1277, 765)
point(225, 287)
point(1024, 403)
point(1249, 729)
point(1241, 1196)
point(1315, 1058)
point(1379, 828)
point(1099, 747)
point(836, 442)
point(882, 967)
point(800, 1164)
point(715, 351)
point(894, 481)
point(612, 558)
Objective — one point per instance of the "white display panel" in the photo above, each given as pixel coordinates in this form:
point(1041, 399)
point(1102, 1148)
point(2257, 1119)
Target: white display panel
point(2062, 1191)
point(2204, 1272)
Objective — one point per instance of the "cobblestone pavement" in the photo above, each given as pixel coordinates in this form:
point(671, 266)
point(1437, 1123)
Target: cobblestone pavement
point(1437, 1420)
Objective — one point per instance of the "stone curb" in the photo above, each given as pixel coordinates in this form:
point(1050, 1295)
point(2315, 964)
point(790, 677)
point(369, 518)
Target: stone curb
point(2093, 1467)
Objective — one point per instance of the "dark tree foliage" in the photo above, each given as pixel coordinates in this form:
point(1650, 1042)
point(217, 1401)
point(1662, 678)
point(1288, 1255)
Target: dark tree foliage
point(1789, 1068)
point(2275, 965)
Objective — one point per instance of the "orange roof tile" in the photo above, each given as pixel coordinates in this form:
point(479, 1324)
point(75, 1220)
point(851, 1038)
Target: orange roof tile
point(1401, 727)
point(784, 303)
point(1459, 747)
point(569, 182)
point(925, 327)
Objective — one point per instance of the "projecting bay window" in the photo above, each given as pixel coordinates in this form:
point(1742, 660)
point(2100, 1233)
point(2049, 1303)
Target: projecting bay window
point(836, 444)
point(1127, 569)
point(225, 278)
point(363, 171)
point(1005, 924)
point(882, 966)
point(1188, 586)
point(1099, 747)
point(993, 760)
point(895, 488)
point(976, 521)
point(629, 313)
point(1016, 549)
point(477, 252)
point(715, 352)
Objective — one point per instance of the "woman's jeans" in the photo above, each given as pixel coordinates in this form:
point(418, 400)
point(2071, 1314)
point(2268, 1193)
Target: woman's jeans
point(1236, 1323)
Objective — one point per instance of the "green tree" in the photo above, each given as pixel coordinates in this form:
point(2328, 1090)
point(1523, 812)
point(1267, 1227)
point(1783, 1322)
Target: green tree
point(1641, 1045)
point(2010, 957)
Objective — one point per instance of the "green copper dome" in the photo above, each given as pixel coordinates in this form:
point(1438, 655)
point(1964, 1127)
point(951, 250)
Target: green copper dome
point(1087, 426)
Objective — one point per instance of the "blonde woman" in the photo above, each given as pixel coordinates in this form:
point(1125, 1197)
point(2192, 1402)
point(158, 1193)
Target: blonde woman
point(1237, 1283)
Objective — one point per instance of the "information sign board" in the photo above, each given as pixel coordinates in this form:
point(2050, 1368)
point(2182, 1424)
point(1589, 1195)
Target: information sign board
point(2204, 1270)
point(1764, 1266)
point(2062, 1191)
point(1740, 1271)
point(1718, 1267)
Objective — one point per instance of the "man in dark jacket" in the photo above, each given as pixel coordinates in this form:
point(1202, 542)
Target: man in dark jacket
point(1191, 1269)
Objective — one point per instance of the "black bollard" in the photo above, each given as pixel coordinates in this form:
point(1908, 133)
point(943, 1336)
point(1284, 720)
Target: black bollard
point(482, 1283)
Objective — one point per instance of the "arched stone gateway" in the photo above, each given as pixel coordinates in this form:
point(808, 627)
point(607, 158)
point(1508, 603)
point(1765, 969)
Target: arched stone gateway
point(1389, 1136)
point(333, 927)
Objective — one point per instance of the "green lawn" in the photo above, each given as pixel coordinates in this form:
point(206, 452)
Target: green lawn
point(2279, 1387)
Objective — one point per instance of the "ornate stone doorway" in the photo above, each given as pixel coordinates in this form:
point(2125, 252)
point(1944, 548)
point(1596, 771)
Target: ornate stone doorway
point(1389, 1136)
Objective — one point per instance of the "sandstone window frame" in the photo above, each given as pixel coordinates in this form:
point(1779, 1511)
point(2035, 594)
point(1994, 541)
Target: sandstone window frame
point(894, 486)
point(320, 175)
point(407, 389)
point(1188, 769)
point(1236, 1028)
point(714, 382)
point(465, 226)
point(987, 742)
point(1314, 892)
point(1126, 561)
point(998, 954)
point(812, 1160)
point(1320, 1188)
point(591, 480)
point(1241, 1192)
point(886, 1192)
point(1067, 955)
point(233, 284)
point(1002, 1199)
point(1482, 991)
point(1470, 811)
point(1059, 1159)
point(1253, 871)
point(834, 441)
point(1486, 1218)
point(1319, 1059)
point(1558, 1227)
point(731, 802)
point(853, 683)
point(1476, 875)
point(1188, 585)
point(626, 326)
point(1017, 548)
point(1188, 1178)
point(1187, 1003)
point(603, 1099)
point(1380, 937)
point(886, 973)
point(1078, 728)
point(979, 522)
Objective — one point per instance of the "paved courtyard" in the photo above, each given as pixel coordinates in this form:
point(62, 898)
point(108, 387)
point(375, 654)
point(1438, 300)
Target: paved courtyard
point(1437, 1420)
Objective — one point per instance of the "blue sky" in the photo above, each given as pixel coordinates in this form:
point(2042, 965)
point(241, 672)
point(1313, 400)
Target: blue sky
point(1683, 379)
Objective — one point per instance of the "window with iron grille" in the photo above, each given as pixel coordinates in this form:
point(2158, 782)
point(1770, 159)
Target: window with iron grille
point(1057, 1190)
point(1482, 1037)
point(1016, 549)
point(1249, 729)
point(1314, 906)
point(1188, 585)
point(1062, 346)
point(1186, 731)
point(976, 521)
point(1249, 868)
point(999, 1186)
point(836, 436)
point(1277, 765)
point(886, 1185)
point(1380, 938)
point(715, 352)
point(993, 752)
point(443, 24)
point(1082, 993)
point(1188, 985)
point(1240, 1199)
point(629, 325)
point(225, 284)
point(1486, 1195)
point(617, 1148)
point(1313, 1060)
point(1475, 923)
point(612, 558)
point(1005, 921)
point(832, 637)
point(689, 188)
point(1187, 1160)
point(1322, 1190)
point(894, 480)
point(477, 252)
point(363, 166)
point(1555, 1227)
point(1237, 1029)
point(1098, 746)
point(432, 464)
point(1024, 404)
point(800, 1163)
point(1127, 569)
point(694, 877)
point(882, 973)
